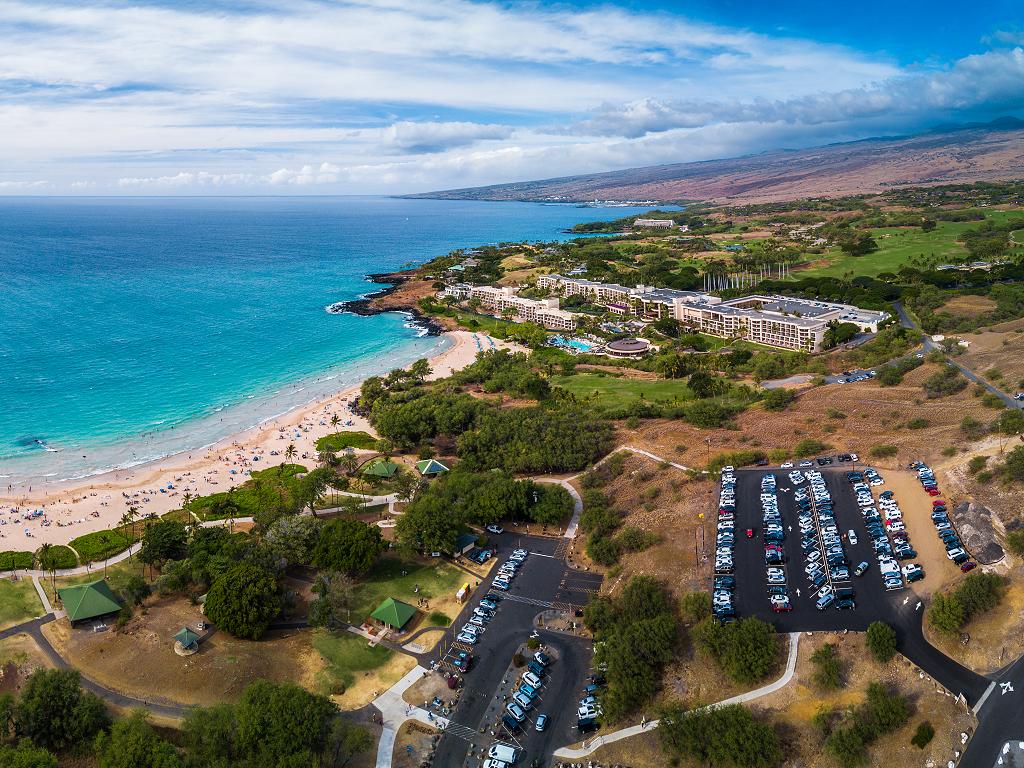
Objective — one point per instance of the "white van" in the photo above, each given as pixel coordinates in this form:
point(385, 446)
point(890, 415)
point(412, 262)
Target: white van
point(503, 752)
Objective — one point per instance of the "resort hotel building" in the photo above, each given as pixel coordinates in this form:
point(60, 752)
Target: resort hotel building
point(543, 311)
point(777, 321)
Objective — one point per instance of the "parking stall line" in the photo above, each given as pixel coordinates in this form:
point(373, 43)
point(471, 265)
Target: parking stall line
point(527, 600)
point(463, 732)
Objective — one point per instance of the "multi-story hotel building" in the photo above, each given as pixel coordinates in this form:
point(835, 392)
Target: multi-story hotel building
point(497, 300)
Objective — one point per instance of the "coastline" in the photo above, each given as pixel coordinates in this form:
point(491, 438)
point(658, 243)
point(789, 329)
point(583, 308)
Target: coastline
point(73, 508)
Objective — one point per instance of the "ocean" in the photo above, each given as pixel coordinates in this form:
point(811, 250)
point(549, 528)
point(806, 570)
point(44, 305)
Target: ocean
point(136, 328)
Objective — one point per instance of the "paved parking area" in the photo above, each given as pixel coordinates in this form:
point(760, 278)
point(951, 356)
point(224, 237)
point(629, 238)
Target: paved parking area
point(544, 581)
point(902, 609)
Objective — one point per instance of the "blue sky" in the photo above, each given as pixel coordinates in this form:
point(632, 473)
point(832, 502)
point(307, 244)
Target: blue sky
point(370, 96)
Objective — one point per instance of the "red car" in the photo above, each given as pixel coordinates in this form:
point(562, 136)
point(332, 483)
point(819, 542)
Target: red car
point(933, 491)
point(786, 608)
point(939, 503)
point(750, 533)
point(970, 565)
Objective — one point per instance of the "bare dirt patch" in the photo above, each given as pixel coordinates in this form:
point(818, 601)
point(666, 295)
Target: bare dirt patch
point(19, 658)
point(998, 355)
point(968, 306)
point(139, 660)
point(414, 744)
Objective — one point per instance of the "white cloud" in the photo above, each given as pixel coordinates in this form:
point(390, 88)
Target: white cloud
point(390, 95)
point(17, 185)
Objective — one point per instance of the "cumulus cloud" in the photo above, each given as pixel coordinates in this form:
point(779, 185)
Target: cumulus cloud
point(994, 80)
point(429, 137)
point(394, 95)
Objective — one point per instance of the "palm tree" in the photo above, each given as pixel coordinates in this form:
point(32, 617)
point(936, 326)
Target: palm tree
point(232, 507)
point(335, 421)
point(289, 454)
point(47, 562)
point(349, 463)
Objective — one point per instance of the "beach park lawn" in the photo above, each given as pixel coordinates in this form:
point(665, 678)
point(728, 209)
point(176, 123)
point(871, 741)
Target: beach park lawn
point(616, 391)
point(437, 579)
point(99, 545)
point(339, 441)
point(353, 669)
point(18, 602)
point(261, 491)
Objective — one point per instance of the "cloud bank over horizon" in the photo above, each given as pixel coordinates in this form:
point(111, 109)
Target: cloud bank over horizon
point(394, 96)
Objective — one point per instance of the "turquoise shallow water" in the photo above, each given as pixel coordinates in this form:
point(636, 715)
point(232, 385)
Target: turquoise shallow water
point(135, 328)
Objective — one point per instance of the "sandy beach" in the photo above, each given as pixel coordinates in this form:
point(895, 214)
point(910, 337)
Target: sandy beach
point(59, 512)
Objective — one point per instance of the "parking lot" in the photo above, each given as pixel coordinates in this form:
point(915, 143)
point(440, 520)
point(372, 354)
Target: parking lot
point(901, 608)
point(542, 582)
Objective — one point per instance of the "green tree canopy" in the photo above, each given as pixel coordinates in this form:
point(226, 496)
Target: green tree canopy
point(55, 713)
point(719, 736)
point(282, 722)
point(348, 545)
point(163, 540)
point(24, 755)
point(746, 650)
point(132, 743)
point(243, 601)
point(881, 639)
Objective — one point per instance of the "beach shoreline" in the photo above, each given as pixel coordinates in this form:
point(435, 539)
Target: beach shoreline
point(72, 508)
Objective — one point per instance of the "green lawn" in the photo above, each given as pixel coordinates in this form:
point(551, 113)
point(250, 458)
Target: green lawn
point(18, 602)
point(614, 391)
point(262, 490)
point(339, 441)
point(99, 545)
point(435, 578)
point(896, 246)
point(346, 654)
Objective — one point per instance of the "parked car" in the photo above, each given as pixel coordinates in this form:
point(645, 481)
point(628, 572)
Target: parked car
point(464, 637)
point(531, 679)
point(516, 711)
point(542, 722)
point(494, 528)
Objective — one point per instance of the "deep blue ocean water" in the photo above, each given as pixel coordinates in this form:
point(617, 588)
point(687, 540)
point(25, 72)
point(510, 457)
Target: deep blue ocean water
point(135, 328)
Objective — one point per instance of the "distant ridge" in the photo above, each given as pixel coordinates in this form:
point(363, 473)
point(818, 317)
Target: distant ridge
point(944, 155)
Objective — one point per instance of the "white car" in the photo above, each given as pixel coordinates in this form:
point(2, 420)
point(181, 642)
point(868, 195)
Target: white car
point(531, 679)
point(786, 465)
point(852, 536)
point(495, 529)
point(466, 638)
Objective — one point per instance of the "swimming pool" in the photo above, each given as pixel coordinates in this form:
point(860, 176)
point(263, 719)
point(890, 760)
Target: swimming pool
point(577, 344)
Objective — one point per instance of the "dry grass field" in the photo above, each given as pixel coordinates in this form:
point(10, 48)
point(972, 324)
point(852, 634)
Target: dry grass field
point(968, 306)
point(791, 709)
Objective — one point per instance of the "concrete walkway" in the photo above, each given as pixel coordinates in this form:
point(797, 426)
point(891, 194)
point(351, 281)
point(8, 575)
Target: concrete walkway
point(395, 711)
point(47, 608)
point(625, 733)
point(577, 502)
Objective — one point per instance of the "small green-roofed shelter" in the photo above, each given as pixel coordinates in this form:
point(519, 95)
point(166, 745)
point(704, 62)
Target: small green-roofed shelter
point(430, 467)
point(380, 468)
point(394, 613)
point(187, 638)
point(88, 601)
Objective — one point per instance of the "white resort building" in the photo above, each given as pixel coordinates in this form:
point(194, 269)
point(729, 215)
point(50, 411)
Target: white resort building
point(777, 321)
point(542, 311)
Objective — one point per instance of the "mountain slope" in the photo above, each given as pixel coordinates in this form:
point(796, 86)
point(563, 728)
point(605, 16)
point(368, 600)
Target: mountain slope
point(957, 154)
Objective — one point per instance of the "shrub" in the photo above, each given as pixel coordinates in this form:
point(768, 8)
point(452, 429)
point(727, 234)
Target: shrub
point(883, 451)
point(827, 668)
point(944, 382)
point(777, 399)
point(976, 464)
point(923, 735)
point(881, 640)
point(918, 423)
point(16, 560)
point(1015, 541)
point(746, 650)
point(809, 447)
point(721, 736)
point(971, 428)
point(438, 619)
point(946, 613)
point(695, 606)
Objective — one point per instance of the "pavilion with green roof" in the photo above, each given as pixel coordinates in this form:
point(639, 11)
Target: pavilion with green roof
point(393, 613)
point(430, 467)
point(187, 638)
point(83, 602)
point(381, 468)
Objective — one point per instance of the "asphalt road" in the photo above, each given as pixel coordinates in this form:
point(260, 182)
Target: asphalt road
point(544, 581)
point(926, 341)
point(901, 609)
